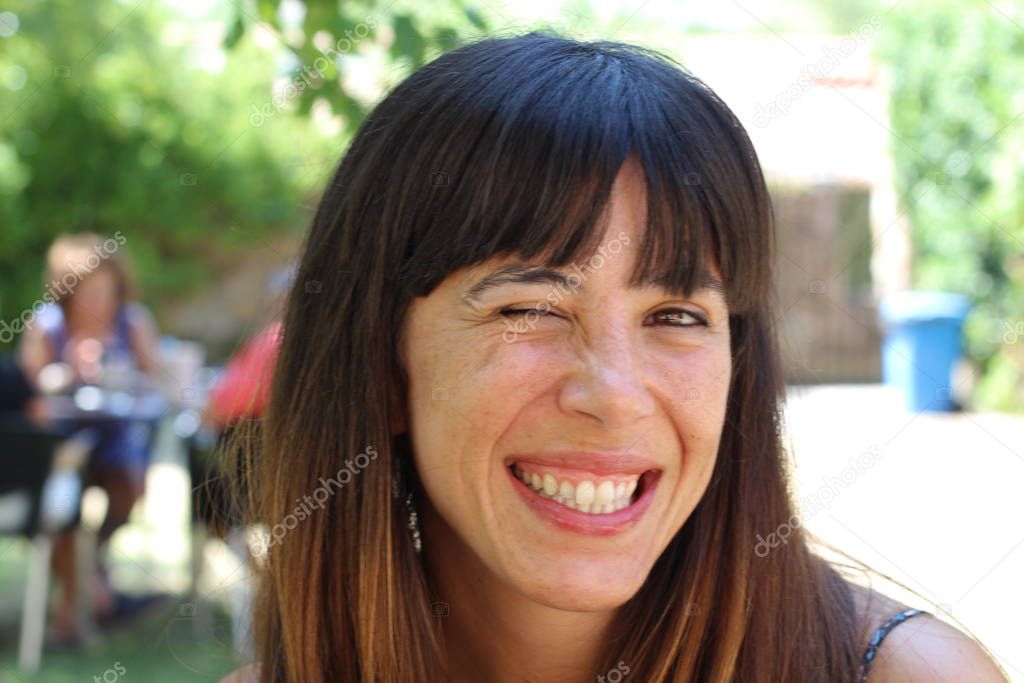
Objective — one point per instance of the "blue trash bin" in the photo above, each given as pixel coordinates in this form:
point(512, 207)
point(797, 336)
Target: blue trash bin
point(922, 343)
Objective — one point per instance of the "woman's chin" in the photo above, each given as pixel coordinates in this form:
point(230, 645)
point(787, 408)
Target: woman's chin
point(584, 598)
point(583, 586)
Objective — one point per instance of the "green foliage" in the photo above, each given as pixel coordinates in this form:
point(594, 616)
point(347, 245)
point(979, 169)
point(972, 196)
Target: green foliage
point(123, 118)
point(196, 134)
point(335, 41)
point(958, 144)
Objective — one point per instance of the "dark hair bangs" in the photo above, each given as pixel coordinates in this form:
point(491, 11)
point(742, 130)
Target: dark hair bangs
point(531, 155)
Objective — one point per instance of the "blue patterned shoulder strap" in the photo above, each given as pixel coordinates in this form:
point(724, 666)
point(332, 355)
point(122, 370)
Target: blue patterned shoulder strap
point(876, 640)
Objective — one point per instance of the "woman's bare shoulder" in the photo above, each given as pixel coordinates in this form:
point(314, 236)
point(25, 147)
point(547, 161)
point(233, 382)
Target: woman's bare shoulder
point(247, 674)
point(923, 648)
point(928, 649)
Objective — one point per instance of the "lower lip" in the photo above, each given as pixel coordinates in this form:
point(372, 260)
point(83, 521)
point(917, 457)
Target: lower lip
point(563, 517)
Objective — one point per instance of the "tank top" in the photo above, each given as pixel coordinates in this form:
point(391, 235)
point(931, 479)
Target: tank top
point(117, 346)
point(876, 641)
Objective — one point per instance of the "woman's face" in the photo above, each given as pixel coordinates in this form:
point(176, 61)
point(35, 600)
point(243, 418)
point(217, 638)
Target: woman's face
point(95, 299)
point(610, 399)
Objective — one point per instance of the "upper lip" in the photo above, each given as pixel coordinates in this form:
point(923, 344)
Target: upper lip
point(595, 462)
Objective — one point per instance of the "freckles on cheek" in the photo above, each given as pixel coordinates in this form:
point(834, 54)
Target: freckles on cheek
point(468, 390)
point(511, 369)
point(704, 375)
point(699, 389)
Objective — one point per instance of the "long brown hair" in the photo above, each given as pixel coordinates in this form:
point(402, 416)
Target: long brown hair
point(510, 145)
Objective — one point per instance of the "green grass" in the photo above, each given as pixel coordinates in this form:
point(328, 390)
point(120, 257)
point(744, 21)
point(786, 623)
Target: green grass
point(172, 645)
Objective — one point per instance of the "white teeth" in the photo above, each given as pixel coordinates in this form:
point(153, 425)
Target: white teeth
point(550, 485)
point(585, 493)
point(598, 498)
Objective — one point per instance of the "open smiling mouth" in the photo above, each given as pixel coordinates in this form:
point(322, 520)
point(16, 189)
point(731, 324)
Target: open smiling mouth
point(581, 501)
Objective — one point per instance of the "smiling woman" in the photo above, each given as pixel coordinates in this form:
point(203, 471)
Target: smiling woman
point(544, 276)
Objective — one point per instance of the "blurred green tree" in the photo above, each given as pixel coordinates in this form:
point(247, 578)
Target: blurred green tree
point(131, 118)
point(331, 44)
point(957, 117)
point(197, 131)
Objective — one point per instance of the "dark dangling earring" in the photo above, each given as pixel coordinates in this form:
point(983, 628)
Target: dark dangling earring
point(410, 506)
point(414, 527)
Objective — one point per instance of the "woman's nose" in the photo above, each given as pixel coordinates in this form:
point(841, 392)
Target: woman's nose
point(609, 382)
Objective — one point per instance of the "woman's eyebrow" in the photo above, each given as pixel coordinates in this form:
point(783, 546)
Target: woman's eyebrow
point(521, 273)
point(516, 273)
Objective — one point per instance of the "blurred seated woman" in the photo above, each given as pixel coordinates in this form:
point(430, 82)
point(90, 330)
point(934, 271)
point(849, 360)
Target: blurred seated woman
point(94, 323)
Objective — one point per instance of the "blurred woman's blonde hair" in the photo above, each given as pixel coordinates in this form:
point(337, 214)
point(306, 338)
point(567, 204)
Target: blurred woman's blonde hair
point(75, 256)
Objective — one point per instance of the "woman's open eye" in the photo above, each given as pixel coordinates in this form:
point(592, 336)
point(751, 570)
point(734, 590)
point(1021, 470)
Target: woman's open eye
point(678, 313)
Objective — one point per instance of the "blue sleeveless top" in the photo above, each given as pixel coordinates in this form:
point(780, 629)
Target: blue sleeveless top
point(876, 641)
point(122, 444)
point(51, 319)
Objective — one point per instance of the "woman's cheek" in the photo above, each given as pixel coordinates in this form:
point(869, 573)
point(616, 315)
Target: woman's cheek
point(701, 368)
point(698, 386)
point(518, 368)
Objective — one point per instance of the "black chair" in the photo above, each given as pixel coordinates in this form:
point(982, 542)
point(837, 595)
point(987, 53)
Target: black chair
point(15, 389)
point(40, 495)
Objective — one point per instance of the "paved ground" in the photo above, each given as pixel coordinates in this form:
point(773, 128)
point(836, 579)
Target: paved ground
point(935, 500)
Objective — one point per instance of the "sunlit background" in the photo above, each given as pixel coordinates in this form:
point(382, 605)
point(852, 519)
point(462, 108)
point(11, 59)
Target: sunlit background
point(892, 136)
